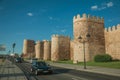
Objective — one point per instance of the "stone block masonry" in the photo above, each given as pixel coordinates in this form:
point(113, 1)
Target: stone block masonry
point(47, 50)
point(112, 41)
point(71, 50)
point(39, 49)
point(60, 48)
point(94, 26)
point(28, 48)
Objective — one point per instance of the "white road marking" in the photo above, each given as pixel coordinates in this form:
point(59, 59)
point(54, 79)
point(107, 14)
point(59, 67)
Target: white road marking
point(74, 79)
point(79, 78)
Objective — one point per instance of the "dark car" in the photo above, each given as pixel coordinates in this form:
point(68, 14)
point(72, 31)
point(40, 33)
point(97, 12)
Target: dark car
point(18, 59)
point(41, 67)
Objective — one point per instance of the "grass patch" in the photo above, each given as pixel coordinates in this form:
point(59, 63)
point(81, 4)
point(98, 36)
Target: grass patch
point(65, 61)
point(112, 64)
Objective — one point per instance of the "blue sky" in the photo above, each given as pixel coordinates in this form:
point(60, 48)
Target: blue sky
point(39, 19)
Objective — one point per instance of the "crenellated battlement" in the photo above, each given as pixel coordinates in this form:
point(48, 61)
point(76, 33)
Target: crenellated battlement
point(56, 35)
point(113, 28)
point(88, 18)
point(37, 42)
point(45, 40)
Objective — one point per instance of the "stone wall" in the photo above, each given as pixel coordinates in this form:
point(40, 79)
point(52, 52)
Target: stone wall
point(79, 52)
point(112, 40)
point(71, 50)
point(60, 48)
point(101, 41)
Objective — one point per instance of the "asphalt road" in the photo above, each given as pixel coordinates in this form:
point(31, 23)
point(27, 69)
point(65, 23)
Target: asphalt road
point(65, 74)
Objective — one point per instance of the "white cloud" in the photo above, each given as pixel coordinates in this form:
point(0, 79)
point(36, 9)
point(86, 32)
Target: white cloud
point(102, 6)
point(64, 30)
point(59, 31)
point(95, 7)
point(30, 14)
point(109, 4)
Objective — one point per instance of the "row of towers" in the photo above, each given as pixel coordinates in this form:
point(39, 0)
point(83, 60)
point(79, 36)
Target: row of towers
point(62, 48)
point(56, 49)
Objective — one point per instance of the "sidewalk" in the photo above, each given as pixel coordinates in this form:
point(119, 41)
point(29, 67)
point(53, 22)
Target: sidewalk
point(9, 71)
point(101, 70)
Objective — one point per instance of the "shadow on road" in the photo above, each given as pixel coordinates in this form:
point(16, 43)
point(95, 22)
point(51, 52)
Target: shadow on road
point(58, 70)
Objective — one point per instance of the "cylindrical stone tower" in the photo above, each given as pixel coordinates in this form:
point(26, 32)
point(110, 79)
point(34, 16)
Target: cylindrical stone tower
point(39, 49)
point(83, 25)
point(25, 46)
point(60, 48)
point(55, 48)
point(47, 50)
point(29, 48)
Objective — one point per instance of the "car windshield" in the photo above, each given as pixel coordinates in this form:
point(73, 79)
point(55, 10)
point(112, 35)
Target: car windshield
point(18, 58)
point(42, 64)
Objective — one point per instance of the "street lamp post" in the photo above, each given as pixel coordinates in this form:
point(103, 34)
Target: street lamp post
point(83, 40)
point(13, 46)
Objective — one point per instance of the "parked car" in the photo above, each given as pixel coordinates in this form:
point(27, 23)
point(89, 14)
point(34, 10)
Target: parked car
point(41, 67)
point(18, 59)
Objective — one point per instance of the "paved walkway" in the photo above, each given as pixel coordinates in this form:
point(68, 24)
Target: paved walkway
point(9, 71)
point(101, 70)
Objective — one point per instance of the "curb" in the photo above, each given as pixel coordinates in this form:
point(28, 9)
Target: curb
point(89, 69)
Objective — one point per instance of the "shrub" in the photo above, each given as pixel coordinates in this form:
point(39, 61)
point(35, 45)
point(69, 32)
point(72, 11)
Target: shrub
point(102, 58)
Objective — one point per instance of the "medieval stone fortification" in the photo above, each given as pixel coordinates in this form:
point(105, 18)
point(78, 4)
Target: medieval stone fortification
point(28, 48)
point(112, 41)
point(101, 40)
point(95, 44)
point(47, 50)
point(60, 48)
point(56, 49)
point(39, 49)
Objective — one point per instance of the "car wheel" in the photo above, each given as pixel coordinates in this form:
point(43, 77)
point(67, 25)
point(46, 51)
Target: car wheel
point(50, 72)
point(36, 72)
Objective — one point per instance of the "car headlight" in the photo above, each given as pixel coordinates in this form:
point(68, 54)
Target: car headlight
point(39, 69)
